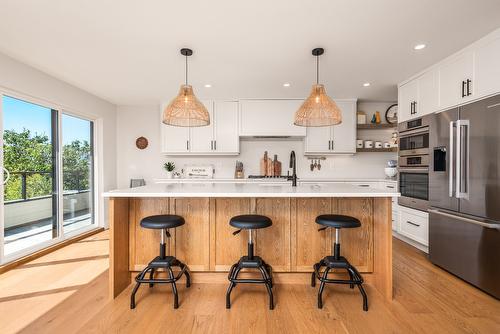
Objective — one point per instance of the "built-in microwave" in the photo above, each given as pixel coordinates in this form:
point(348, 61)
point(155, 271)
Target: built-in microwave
point(414, 137)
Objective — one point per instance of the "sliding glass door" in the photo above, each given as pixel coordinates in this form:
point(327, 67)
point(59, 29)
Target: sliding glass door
point(48, 187)
point(78, 173)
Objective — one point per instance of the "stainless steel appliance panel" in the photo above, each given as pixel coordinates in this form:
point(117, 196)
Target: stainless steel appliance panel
point(479, 167)
point(443, 163)
point(414, 187)
point(467, 249)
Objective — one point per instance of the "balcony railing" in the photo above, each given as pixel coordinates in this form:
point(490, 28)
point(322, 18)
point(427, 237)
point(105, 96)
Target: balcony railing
point(78, 179)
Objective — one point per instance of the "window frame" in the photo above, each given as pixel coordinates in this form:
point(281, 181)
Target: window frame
point(98, 203)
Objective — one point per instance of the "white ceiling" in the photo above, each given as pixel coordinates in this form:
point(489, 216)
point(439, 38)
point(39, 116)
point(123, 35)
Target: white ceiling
point(127, 51)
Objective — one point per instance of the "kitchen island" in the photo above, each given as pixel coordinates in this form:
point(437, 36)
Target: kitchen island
point(291, 245)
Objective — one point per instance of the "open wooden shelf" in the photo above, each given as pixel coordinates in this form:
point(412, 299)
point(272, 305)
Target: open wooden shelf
point(375, 126)
point(391, 149)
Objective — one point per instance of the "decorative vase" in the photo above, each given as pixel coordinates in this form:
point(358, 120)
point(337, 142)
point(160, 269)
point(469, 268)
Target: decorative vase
point(169, 175)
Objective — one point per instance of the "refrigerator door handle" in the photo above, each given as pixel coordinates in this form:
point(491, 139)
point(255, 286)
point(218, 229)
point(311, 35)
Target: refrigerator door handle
point(450, 183)
point(463, 131)
point(465, 219)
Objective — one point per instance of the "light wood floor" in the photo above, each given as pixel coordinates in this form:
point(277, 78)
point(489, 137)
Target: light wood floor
point(66, 291)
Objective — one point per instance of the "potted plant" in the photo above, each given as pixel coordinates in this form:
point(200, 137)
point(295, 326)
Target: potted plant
point(169, 167)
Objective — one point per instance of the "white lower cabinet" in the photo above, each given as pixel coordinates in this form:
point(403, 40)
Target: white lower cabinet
point(414, 224)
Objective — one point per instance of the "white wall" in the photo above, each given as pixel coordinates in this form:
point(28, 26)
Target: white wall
point(136, 121)
point(22, 79)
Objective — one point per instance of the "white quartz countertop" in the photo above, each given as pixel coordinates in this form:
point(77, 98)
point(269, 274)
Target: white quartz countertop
point(269, 180)
point(251, 190)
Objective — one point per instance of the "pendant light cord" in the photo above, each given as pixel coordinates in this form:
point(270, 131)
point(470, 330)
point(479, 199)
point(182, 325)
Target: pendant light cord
point(186, 70)
point(317, 70)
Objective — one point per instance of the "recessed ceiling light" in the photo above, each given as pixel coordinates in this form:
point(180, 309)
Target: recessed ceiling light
point(286, 84)
point(366, 84)
point(419, 46)
point(208, 85)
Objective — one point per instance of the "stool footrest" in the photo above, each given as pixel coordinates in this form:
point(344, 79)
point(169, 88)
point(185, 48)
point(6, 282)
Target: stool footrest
point(166, 263)
point(255, 263)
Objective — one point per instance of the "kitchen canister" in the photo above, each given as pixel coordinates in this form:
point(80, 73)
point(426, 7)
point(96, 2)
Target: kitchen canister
point(378, 144)
point(368, 144)
point(359, 143)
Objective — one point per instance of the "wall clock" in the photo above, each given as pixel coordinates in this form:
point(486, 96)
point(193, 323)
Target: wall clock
point(391, 114)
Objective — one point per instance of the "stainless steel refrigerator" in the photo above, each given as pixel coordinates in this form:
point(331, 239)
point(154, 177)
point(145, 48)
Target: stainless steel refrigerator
point(464, 193)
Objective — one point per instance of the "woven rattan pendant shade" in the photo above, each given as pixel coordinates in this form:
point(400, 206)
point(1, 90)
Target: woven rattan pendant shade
point(318, 109)
point(186, 110)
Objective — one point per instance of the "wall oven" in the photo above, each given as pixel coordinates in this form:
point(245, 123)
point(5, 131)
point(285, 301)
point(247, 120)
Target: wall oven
point(413, 162)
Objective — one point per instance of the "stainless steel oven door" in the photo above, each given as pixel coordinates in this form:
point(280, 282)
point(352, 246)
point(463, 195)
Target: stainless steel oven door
point(414, 188)
point(414, 142)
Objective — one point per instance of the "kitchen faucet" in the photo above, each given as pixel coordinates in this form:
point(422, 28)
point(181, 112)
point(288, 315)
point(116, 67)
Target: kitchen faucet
point(293, 165)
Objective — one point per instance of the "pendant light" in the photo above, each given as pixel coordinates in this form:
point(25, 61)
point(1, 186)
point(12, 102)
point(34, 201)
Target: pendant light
point(318, 109)
point(185, 109)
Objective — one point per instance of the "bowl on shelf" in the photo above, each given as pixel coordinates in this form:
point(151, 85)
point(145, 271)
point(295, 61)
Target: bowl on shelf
point(390, 171)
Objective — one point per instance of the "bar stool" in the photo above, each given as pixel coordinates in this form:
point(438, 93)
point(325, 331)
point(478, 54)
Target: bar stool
point(250, 223)
point(336, 261)
point(162, 223)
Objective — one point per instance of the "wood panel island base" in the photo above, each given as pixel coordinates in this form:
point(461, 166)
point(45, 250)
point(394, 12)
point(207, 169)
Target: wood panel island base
point(291, 245)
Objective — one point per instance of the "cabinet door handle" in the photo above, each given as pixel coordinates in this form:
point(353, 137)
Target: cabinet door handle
point(463, 89)
point(468, 87)
point(215, 145)
point(411, 108)
point(211, 145)
point(329, 145)
point(187, 145)
point(414, 107)
point(332, 144)
point(409, 222)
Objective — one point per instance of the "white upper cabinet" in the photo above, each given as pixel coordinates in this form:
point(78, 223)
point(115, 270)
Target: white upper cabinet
point(226, 139)
point(487, 67)
point(468, 75)
point(219, 138)
point(344, 134)
point(428, 93)
point(336, 139)
point(269, 118)
point(201, 137)
point(318, 139)
point(174, 139)
point(456, 82)
point(419, 96)
point(407, 96)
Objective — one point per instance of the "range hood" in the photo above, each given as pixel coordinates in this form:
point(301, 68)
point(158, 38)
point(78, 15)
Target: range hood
point(270, 119)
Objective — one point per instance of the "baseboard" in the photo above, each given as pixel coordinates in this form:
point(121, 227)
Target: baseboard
point(411, 242)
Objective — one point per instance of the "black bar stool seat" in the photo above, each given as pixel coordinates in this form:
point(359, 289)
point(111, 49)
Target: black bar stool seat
point(336, 261)
point(163, 261)
point(160, 222)
point(250, 222)
point(338, 221)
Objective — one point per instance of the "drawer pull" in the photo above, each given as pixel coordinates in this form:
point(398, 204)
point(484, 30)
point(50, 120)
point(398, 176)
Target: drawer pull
point(409, 222)
point(392, 187)
point(363, 185)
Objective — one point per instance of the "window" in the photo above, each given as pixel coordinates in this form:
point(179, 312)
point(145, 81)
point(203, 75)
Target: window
point(48, 189)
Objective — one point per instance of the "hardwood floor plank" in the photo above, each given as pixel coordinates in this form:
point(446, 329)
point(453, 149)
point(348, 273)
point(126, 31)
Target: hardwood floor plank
point(66, 291)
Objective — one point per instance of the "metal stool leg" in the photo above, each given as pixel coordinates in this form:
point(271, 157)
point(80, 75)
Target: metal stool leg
point(174, 287)
point(151, 276)
point(351, 278)
point(268, 287)
point(322, 287)
point(136, 287)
